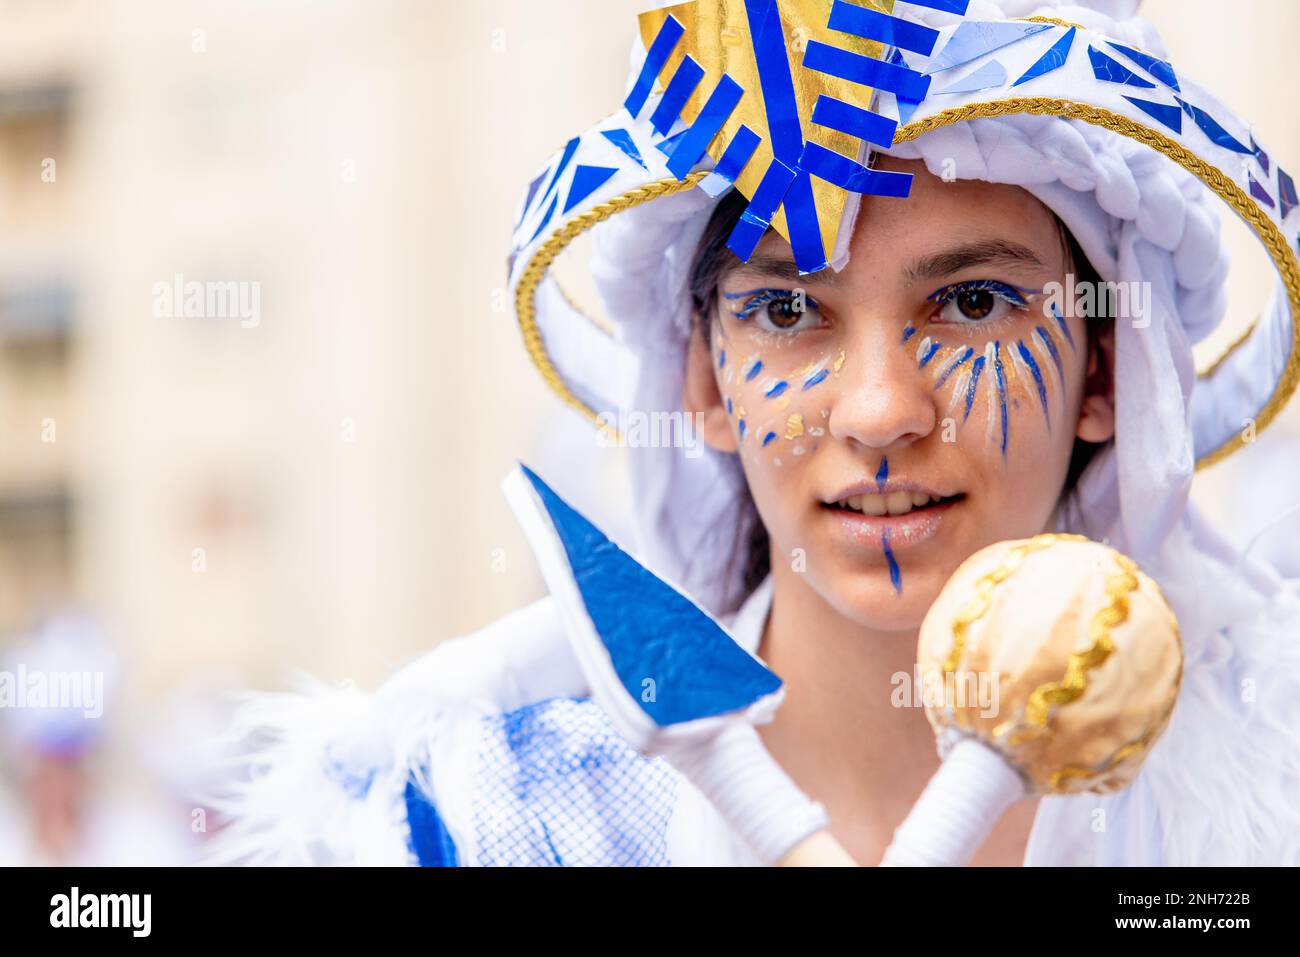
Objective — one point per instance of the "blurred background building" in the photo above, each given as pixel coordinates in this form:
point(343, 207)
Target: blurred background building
point(315, 486)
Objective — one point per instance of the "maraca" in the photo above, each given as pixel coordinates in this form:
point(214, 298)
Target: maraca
point(1087, 659)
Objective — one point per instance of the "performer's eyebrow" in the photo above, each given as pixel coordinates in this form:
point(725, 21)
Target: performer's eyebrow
point(982, 253)
point(784, 270)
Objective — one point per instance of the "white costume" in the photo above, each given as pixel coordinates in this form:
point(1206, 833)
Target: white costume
point(487, 750)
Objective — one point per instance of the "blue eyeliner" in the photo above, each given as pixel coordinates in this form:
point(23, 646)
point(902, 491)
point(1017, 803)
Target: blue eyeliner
point(1016, 295)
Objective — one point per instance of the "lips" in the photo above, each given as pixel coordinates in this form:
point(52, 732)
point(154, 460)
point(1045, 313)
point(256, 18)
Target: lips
point(902, 513)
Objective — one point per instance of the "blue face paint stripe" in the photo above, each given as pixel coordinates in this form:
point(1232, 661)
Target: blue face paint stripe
point(728, 407)
point(961, 361)
point(660, 50)
point(1028, 357)
point(895, 573)
point(908, 333)
point(754, 370)
point(930, 353)
point(769, 439)
point(1065, 329)
point(722, 358)
point(777, 390)
point(1049, 343)
point(1000, 376)
point(742, 428)
point(882, 473)
point(976, 369)
point(820, 376)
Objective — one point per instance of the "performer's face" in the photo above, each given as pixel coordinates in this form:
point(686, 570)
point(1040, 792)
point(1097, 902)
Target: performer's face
point(896, 417)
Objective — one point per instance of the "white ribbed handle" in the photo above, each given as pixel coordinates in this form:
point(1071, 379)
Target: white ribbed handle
point(970, 791)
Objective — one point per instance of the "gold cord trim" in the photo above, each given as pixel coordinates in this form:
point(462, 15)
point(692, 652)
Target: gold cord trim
point(1284, 258)
point(1054, 21)
point(531, 278)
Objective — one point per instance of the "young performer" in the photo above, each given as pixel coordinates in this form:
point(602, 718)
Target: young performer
point(928, 276)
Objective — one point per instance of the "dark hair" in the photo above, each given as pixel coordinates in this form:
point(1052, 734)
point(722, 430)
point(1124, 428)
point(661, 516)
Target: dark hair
point(713, 261)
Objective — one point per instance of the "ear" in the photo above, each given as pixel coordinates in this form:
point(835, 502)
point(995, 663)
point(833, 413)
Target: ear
point(701, 395)
point(1097, 411)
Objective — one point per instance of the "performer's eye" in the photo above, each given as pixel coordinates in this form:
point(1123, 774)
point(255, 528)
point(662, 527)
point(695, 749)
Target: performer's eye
point(777, 310)
point(978, 301)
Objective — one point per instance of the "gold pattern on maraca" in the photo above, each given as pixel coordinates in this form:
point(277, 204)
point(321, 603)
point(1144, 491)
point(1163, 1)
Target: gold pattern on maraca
point(1085, 652)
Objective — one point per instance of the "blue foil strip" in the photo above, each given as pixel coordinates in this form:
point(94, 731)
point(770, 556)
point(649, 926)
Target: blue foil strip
point(623, 140)
point(545, 219)
point(721, 104)
point(853, 120)
point(1259, 192)
point(570, 148)
point(991, 74)
point(651, 630)
point(586, 180)
point(1052, 60)
point(973, 39)
point(874, 25)
point(660, 50)
point(670, 144)
point(853, 176)
point(1287, 193)
point(1213, 130)
point(946, 6)
point(1170, 116)
point(734, 160)
point(1159, 69)
point(680, 87)
point(758, 214)
point(1112, 71)
point(856, 68)
point(783, 124)
point(1260, 156)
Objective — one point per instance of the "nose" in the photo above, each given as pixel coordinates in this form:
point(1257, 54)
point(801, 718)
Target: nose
point(886, 399)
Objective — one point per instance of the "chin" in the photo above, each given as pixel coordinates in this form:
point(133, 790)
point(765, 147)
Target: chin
point(869, 599)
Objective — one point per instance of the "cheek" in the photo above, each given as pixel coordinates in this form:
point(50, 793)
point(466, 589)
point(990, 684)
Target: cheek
point(777, 399)
point(1005, 396)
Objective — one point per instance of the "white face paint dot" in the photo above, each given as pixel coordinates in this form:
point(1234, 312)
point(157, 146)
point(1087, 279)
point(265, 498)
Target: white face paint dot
point(819, 432)
point(776, 462)
point(798, 450)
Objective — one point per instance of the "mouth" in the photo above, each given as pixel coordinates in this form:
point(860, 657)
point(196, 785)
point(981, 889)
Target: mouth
point(893, 504)
point(897, 515)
